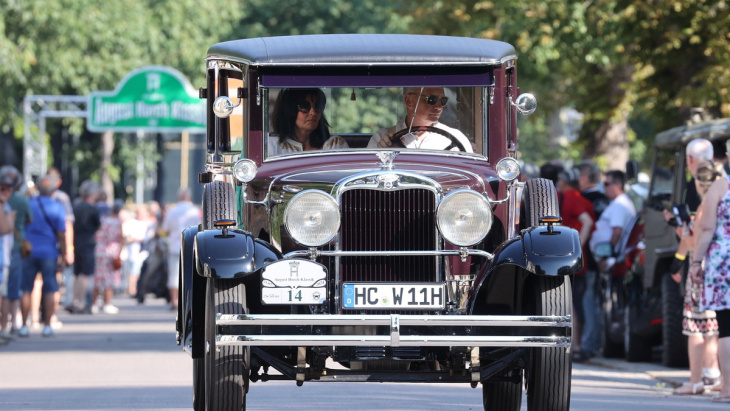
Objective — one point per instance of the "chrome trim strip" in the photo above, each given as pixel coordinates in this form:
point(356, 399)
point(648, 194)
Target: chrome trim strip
point(403, 320)
point(395, 330)
point(306, 253)
point(405, 341)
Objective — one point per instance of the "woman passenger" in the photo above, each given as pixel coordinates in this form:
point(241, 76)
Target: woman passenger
point(299, 123)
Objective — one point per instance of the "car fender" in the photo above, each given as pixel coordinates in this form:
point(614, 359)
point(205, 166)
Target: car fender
point(231, 254)
point(542, 251)
point(212, 253)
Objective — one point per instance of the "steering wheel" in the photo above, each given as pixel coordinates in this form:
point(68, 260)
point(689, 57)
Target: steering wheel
point(395, 138)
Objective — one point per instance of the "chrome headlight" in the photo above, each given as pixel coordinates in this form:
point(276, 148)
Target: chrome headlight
point(245, 170)
point(312, 218)
point(508, 169)
point(464, 217)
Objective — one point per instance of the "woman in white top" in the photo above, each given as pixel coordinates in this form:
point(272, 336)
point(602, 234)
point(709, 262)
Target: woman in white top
point(299, 123)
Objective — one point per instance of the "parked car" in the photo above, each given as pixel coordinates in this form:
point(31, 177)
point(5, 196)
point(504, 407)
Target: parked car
point(642, 303)
point(394, 264)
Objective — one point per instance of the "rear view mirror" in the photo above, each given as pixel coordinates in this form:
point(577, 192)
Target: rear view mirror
point(632, 170)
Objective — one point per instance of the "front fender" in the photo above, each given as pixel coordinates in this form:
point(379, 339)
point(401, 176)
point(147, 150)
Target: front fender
point(543, 251)
point(210, 253)
point(234, 254)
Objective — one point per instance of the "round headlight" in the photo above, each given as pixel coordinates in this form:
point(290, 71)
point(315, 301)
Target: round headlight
point(312, 218)
point(508, 169)
point(245, 170)
point(464, 217)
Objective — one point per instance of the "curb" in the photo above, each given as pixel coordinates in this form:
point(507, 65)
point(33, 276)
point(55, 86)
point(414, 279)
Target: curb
point(671, 376)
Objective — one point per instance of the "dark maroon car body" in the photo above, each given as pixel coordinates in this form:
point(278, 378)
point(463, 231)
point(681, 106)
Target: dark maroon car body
point(392, 264)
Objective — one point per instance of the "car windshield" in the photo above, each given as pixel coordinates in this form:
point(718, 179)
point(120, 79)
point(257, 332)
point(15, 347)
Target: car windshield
point(360, 118)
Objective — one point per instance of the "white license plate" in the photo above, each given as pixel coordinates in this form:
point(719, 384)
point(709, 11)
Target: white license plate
point(413, 296)
point(294, 282)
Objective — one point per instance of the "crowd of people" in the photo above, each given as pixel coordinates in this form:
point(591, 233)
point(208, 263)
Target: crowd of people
point(602, 214)
point(59, 253)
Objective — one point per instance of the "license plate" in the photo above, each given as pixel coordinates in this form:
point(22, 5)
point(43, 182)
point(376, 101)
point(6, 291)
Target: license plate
point(393, 295)
point(294, 282)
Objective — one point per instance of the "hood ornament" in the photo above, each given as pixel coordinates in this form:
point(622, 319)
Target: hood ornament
point(386, 158)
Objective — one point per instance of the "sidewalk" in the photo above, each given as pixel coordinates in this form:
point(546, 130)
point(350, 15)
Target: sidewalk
point(674, 377)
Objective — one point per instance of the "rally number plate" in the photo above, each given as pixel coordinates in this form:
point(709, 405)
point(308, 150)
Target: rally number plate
point(294, 282)
point(375, 296)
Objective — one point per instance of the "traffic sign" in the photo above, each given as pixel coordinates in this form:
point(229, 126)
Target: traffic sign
point(151, 98)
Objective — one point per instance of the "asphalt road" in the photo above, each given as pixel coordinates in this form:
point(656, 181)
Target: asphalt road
point(130, 361)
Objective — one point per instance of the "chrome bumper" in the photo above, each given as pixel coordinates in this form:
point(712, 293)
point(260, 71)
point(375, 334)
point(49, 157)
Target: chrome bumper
point(347, 330)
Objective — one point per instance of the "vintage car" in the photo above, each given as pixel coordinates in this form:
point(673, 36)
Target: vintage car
point(380, 264)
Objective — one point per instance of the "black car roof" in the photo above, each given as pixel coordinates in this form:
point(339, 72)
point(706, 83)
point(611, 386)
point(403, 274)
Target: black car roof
point(369, 49)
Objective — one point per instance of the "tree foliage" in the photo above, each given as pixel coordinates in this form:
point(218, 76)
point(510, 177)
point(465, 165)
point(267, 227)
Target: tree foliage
point(613, 60)
point(620, 62)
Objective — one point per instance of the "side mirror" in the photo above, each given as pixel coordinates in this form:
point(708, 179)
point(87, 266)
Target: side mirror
point(632, 170)
point(525, 104)
point(223, 106)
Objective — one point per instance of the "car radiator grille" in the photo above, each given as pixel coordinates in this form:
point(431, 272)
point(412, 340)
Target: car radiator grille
point(396, 220)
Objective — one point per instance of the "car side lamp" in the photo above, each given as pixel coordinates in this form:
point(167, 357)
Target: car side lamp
point(224, 224)
point(550, 220)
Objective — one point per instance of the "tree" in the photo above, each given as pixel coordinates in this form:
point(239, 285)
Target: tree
point(72, 47)
point(611, 60)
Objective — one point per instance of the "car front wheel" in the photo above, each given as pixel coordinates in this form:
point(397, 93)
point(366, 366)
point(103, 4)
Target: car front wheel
point(226, 367)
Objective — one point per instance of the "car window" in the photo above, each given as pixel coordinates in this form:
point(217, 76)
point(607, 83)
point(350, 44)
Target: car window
point(356, 114)
point(663, 178)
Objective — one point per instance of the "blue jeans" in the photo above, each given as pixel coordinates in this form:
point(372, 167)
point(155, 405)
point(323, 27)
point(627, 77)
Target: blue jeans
point(591, 338)
point(15, 276)
point(47, 268)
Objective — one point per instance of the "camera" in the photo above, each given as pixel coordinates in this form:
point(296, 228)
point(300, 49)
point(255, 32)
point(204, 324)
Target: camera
point(681, 214)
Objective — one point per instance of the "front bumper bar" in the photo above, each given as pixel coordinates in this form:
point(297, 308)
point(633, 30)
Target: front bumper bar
point(346, 330)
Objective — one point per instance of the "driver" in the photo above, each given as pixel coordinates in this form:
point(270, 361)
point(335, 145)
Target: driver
point(424, 106)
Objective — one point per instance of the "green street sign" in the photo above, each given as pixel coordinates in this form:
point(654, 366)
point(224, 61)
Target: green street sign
point(151, 98)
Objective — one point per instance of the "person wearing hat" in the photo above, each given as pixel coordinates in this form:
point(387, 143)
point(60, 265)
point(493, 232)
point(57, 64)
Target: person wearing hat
point(11, 296)
point(577, 213)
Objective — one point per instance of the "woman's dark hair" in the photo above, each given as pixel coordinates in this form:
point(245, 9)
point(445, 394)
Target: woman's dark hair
point(285, 114)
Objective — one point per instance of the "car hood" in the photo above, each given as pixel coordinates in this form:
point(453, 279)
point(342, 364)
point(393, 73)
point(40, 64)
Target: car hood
point(324, 172)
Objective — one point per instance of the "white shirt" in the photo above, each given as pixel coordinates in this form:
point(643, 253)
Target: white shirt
point(618, 214)
point(428, 140)
point(292, 146)
point(180, 217)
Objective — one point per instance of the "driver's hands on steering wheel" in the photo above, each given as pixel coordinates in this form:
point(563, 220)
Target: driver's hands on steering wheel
point(386, 141)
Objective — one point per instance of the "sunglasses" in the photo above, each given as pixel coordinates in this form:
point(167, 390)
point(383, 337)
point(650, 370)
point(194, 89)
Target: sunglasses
point(433, 99)
point(306, 106)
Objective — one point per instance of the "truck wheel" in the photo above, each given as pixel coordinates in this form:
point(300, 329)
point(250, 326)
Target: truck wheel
point(502, 395)
point(636, 348)
point(219, 203)
point(549, 369)
point(538, 200)
point(674, 342)
point(226, 367)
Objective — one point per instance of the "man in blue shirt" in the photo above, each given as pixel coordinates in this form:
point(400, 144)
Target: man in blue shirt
point(47, 233)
